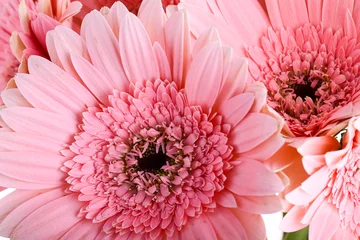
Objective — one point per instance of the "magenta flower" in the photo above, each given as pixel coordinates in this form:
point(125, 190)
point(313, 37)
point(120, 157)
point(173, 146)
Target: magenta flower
point(130, 132)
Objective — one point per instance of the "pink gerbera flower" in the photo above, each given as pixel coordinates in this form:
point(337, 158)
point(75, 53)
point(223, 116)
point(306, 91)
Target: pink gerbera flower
point(328, 200)
point(137, 135)
point(9, 21)
point(306, 54)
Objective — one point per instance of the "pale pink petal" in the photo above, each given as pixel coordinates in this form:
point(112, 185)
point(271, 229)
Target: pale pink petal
point(41, 95)
point(15, 141)
point(209, 36)
point(14, 183)
point(226, 199)
point(41, 25)
point(349, 26)
point(344, 234)
point(292, 220)
point(251, 178)
point(236, 108)
point(226, 225)
point(326, 213)
point(198, 228)
point(71, 10)
point(273, 9)
point(204, 77)
point(114, 17)
point(243, 137)
point(152, 15)
point(318, 145)
point(40, 122)
point(98, 83)
point(162, 61)
point(60, 78)
point(178, 48)
point(97, 34)
point(12, 97)
point(334, 12)
point(24, 209)
point(253, 224)
point(293, 13)
point(260, 95)
point(299, 197)
point(313, 163)
point(315, 11)
point(259, 204)
point(85, 229)
point(316, 182)
point(36, 167)
point(50, 219)
point(136, 51)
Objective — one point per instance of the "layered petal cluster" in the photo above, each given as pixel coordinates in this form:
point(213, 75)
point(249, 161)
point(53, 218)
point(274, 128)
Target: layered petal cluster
point(131, 133)
point(37, 18)
point(328, 200)
point(9, 22)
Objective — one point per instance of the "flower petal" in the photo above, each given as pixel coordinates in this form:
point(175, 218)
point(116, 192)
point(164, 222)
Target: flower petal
point(259, 204)
point(85, 229)
point(253, 224)
point(292, 220)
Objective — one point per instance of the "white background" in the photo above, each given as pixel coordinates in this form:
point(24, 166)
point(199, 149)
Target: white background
point(272, 222)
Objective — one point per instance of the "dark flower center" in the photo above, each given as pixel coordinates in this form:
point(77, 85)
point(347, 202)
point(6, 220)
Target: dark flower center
point(152, 161)
point(305, 90)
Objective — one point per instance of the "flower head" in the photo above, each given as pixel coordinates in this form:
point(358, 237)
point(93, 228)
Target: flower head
point(307, 60)
point(137, 134)
point(9, 21)
point(328, 200)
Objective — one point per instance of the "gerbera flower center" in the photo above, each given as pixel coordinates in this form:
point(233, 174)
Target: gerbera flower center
point(310, 73)
point(149, 161)
point(152, 161)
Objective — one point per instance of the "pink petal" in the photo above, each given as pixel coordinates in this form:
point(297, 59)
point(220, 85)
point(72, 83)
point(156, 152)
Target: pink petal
point(198, 228)
point(48, 71)
point(40, 122)
point(36, 167)
point(236, 108)
point(13, 98)
point(318, 145)
point(178, 51)
point(209, 36)
point(292, 220)
point(299, 197)
point(115, 15)
point(14, 183)
point(244, 138)
point(24, 209)
point(97, 34)
point(71, 10)
point(253, 224)
point(259, 204)
point(251, 178)
point(334, 13)
point(47, 97)
point(313, 163)
point(226, 199)
point(314, 9)
point(273, 8)
point(162, 61)
point(325, 222)
point(293, 13)
point(203, 81)
point(50, 219)
point(316, 182)
point(349, 26)
point(136, 51)
point(85, 229)
point(226, 225)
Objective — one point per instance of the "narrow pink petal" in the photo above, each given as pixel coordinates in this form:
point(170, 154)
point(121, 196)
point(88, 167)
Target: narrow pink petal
point(251, 21)
point(14, 183)
point(47, 97)
point(66, 42)
point(178, 48)
point(40, 26)
point(326, 213)
point(235, 82)
point(115, 15)
point(313, 163)
point(285, 156)
point(50, 219)
point(13, 98)
point(314, 10)
point(236, 108)
point(226, 225)
point(97, 34)
point(334, 12)
point(39, 122)
point(349, 26)
point(260, 95)
point(253, 224)
point(85, 229)
point(152, 15)
point(198, 228)
point(344, 234)
point(313, 208)
point(98, 83)
point(48, 71)
point(162, 61)
point(316, 182)
point(266, 150)
point(15, 141)
point(207, 37)
point(203, 81)
point(71, 10)
point(251, 178)
point(292, 220)
point(13, 200)
point(36, 167)
point(356, 15)
point(259, 204)
point(24, 209)
point(274, 13)
point(318, 145)
point(136, 51)
point(293, 13)
point(226, 199)
point(299, 197)
point(243, 137)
